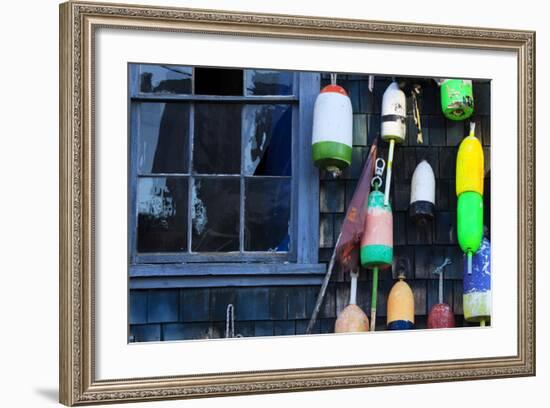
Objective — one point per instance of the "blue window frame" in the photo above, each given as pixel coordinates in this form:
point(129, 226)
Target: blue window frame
point(176, 179)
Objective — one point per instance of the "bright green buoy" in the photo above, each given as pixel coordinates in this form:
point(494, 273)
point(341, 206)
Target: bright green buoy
point(457, 98)
point(470, 223)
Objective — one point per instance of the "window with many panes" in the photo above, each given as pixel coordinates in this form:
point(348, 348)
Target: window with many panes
point(221, 180)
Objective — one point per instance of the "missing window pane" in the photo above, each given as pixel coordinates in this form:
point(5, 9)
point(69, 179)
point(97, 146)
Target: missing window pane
point(267, 214)
point(268, 137)
point(162, 214)
point(163, 138)
point(171, 79)
point(215, 214)
point(266, 82)
point(217, 142)
point(218, 81)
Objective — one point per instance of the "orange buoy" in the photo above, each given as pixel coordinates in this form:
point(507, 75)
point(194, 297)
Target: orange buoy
point(401, 306)
point(352, 318)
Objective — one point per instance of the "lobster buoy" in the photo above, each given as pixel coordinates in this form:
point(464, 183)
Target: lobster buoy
point(377, 242)
point(352, 318)
point(422, 204)
point(394, 114)
point(441, 315)
point(470, 221)
point(401, 306)
point(377, 239)
point(457, 98)
point(332, 129)
point(469, 165)
point(477, 286)
point(469, 189)
point(393, 126)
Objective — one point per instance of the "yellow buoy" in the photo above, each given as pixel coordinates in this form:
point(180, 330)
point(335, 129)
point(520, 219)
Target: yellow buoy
point(469, 165)
point(401, 306)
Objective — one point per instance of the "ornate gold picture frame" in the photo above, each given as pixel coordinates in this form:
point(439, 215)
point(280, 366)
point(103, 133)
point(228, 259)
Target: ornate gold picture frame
point(78, 24)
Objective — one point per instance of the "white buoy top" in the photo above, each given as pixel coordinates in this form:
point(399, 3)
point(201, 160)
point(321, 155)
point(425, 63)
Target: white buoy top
point(333, 116)
point(394, 101)
point(423, 183)
point(394, 111)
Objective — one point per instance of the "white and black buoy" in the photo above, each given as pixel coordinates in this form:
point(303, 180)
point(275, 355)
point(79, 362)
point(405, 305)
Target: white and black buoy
point(422, 204)
point(393, 127)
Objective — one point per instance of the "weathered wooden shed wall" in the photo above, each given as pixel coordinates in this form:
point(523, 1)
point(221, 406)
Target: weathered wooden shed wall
point(173, 314)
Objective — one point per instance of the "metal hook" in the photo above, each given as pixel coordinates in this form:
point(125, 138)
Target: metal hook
point(440, 268)
point(379, 166)
point(439, 271)
point(472, 128)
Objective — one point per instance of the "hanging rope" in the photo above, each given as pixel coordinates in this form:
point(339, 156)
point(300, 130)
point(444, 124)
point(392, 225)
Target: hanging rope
point(416, 113)
point(371, 83)
point(230, 322)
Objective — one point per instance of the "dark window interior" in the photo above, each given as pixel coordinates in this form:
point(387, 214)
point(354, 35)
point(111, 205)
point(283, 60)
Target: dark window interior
point(215, 81)
point(162, 79)
point(217, 142)
point(215, 214)
point(162, 214)
point(163, 138)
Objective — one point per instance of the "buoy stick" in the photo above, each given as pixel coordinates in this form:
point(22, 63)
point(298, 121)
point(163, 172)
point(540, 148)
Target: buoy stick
point(439, 271)
point(322, 291)
point(353, 288)
point(470, 262)
point(441, 287)
point(388, 173)
point(373, 298)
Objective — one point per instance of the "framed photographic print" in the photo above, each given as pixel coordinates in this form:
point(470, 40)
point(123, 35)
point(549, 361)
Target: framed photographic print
point(262, 203)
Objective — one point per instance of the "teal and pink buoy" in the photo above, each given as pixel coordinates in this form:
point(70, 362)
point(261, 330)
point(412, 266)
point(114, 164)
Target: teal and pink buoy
point(377, 242)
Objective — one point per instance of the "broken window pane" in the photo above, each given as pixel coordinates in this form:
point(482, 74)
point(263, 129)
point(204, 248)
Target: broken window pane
point(268, 139)
point(267, 214)
point(163, 138)
point(215, 214)
point(267, 82)
point(218, 81)
point(162, 214)
point(217, 142)
point(172, 79)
